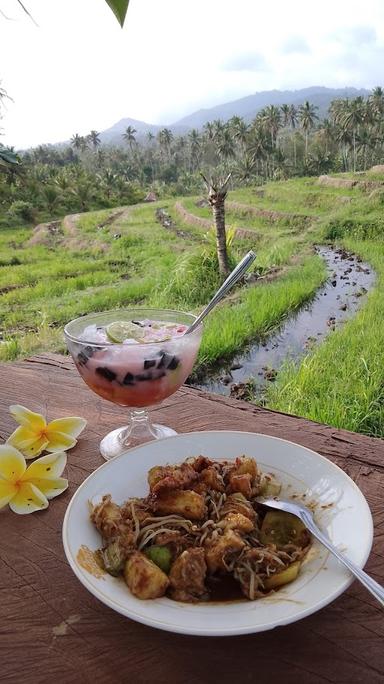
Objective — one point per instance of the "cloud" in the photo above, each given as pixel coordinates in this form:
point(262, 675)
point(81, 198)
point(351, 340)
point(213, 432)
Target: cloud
point(295, 44)
point(246, 61)
point(355, 36)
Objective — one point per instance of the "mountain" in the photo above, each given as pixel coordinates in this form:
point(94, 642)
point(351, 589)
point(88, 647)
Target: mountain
point(112, 135)
point(246, 107)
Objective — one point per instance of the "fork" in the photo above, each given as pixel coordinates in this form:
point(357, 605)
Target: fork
point(306, 518)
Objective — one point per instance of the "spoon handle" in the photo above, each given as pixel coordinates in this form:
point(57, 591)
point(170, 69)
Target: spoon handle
point(233, 277)
point(376, 590)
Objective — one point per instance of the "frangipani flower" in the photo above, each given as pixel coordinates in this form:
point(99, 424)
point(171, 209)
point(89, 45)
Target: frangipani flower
point(35, 434)
point(28, 489)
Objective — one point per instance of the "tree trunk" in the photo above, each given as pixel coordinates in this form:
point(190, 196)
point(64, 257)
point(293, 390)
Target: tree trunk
point(218, 210)
point(217, 192)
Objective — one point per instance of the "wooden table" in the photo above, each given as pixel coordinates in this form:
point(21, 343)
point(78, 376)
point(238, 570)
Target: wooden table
point(53, 630)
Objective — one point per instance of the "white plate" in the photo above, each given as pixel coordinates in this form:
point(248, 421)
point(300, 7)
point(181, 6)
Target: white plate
point(341, 511)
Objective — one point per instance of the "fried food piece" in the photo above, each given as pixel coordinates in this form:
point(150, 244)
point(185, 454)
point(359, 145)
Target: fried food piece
point(243, 476)
point(186, 503)
point(236, 521)
point(164, 478)
point(107, 517)
point(212, 479)
point(246, 466)
point(200, 463)
point(237, 503)
point(241, 483)
point(187, 576)
point(144, 578)
point(209, 478)
point(219, 552)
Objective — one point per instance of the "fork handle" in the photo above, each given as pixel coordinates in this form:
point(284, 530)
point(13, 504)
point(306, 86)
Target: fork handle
point(374, 587)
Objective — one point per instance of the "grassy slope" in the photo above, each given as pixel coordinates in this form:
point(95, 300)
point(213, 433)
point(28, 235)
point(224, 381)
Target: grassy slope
point(44, 285)
point(341, 382)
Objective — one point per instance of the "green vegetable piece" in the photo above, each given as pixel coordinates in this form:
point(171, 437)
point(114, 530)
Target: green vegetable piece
point(160, 556)
point(113, 559)
point(118, 331)
point(284, 577)
point(282, 528)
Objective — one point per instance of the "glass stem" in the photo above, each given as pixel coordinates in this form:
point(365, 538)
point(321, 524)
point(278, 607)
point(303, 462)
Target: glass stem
point(139, 428)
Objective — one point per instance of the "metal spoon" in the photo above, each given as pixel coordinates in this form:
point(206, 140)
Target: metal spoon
point(306, 517)
point(226, 286)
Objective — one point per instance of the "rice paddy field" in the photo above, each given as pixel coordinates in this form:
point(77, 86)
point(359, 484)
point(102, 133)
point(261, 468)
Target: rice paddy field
point(116, 258)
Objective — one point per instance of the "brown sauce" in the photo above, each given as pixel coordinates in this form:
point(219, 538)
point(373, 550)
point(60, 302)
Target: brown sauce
point(224, 588)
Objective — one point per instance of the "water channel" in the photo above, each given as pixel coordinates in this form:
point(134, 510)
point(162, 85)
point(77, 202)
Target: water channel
point(349, 280)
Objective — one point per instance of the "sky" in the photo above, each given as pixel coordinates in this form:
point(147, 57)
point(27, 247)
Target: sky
point(77, 70)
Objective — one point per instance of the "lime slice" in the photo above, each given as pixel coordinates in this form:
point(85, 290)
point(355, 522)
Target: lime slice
point(123, 330)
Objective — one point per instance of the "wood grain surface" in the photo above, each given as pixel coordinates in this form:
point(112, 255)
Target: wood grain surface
point(53, 630)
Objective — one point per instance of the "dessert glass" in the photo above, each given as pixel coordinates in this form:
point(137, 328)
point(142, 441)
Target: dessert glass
point(135, 375)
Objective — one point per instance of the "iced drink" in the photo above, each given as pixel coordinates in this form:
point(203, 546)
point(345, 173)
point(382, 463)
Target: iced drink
point(135, 363)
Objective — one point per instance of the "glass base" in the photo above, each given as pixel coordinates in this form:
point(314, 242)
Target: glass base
point(118, 441)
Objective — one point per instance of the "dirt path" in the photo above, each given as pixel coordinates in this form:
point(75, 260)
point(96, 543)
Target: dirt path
point(48, 234)
point(66, 232)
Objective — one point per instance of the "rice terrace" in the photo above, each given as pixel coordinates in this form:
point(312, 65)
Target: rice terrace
point(309, 233)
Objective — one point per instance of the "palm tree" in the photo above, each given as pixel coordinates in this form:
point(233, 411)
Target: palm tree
point(217, 192)
point(351, 119)
point(245, 168)
point(259, 145)
point(108, 181)
point(376, 100)
point(209, 130)
point(83, 192)
point(129, 136)
point(285, 110)
point(94, 139)
point(327, 134)
point(195, 147)
point(83, 143)
point(271, 118)
point(51, 197)
point(366, 142)
point(165, 138)
point(225, 146)
point(307, 117)
point(76, 141)
point(240, 131)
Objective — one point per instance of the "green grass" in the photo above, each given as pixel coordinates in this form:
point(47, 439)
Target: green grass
point(341, 383)
point(42, 286)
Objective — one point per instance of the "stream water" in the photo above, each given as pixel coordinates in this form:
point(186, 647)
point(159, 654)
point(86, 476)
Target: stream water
point(349, 280)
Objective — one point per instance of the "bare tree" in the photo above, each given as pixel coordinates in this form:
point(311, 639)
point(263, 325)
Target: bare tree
point(217, 192)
